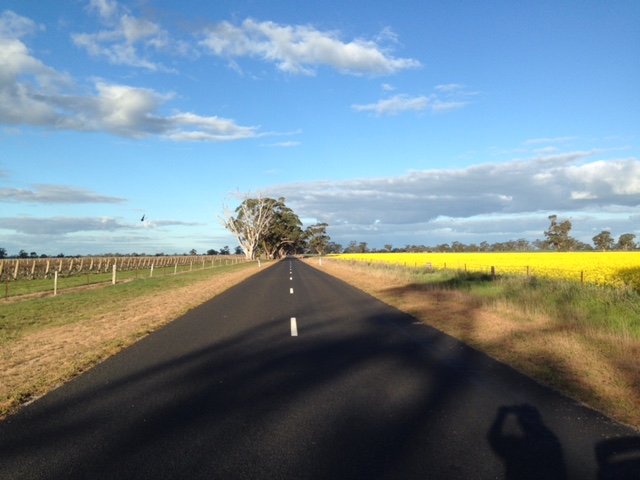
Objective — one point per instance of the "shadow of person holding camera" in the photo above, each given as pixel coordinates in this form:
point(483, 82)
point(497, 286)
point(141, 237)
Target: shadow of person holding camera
point(527, 447)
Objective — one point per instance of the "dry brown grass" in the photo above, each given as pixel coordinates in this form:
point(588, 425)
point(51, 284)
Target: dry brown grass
point(41, 360)
point(598, 369)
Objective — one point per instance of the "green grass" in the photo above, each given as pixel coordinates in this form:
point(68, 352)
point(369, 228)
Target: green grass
point(609, 309)
point(78, 279)
point(19, 316)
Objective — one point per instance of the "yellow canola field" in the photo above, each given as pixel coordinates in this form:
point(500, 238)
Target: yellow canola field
point(601, 268)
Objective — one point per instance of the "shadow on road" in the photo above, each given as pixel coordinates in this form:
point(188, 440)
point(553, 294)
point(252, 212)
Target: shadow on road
point(527, 447)
point(256, 405)
point(619, 459)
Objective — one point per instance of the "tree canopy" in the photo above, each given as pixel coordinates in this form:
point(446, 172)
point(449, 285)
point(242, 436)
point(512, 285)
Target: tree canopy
point(267, 226)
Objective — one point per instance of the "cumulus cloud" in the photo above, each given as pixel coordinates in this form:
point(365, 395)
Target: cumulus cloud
point(562, 182)
point(31, 93)
point(127, 40)
point(55, 194)
point(16, 26)
point(300, 49)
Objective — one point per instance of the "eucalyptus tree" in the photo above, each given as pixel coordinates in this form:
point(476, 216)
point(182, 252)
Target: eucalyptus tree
point(603, 241)
point(625, 242)
point(317, 238)
point(264, 225)
point(558, 234)
point(249, 222)
point(284, 234)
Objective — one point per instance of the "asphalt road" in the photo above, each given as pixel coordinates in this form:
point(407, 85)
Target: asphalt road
point(296, 375)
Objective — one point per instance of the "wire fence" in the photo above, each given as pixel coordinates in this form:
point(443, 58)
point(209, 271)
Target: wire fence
point(35, 275)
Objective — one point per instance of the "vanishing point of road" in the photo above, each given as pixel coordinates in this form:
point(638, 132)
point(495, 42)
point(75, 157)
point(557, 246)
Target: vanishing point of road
point(293, 374)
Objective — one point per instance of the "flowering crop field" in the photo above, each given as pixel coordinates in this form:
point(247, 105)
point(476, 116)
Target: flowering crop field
point(600, 268)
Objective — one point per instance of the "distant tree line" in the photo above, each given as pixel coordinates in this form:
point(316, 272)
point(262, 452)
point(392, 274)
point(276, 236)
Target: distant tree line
point(267, 227)
point(556, 238)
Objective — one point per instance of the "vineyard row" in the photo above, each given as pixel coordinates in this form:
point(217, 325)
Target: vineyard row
point(42, 268)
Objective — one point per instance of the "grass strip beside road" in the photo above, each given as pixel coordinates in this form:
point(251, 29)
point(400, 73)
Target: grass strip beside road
point(46, 341)
point(557, 334)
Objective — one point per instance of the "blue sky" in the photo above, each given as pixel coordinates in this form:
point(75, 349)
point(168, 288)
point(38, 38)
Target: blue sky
point(414, 122)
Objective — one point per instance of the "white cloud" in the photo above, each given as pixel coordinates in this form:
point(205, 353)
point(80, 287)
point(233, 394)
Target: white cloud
point(447, 98)
point(32, 93)
point(128, 40)
point(620, 177)
point(190, 127)
point(68, 225)
point(394, 105)
point(60, 225)
point(107, 9)
point(299, 49)
point(450, 88)
point(420, 199)
point(16, 26)
point(55, 194)
point(535, 141)
point(282, 144)
point(546, 150)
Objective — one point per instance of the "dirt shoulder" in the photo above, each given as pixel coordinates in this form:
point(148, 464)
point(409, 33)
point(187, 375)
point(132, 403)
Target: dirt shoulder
point(39, 361)
point(596, 369)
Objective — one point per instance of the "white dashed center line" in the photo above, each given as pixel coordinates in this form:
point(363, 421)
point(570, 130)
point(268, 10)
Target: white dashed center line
point(294, 324)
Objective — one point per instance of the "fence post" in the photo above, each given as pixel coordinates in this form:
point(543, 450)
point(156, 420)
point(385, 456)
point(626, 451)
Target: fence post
point(151, 271)
point(582, 278)
point(55, 283)
point(113, 275)
point(493, 273)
